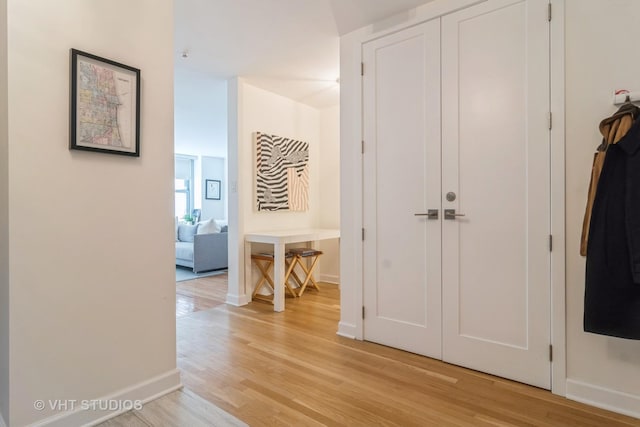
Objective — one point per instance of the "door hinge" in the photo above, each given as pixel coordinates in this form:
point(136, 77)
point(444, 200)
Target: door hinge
point(550, 353)
point(363, 311)
point(550, 243)
point(362, 68)
point(362, 147)
point(363, 234)
point(550, 120)
point(549, 13)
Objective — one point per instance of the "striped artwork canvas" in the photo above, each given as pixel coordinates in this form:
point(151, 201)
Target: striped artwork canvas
point(282, 179)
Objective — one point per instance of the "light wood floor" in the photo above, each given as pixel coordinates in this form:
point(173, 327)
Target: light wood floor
point(178, 409)
point(291, 369)
point(200, 294)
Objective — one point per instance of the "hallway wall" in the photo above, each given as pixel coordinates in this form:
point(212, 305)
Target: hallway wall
point(91, 276)
point(4, 221)
point(599, 60)
point(330, 191)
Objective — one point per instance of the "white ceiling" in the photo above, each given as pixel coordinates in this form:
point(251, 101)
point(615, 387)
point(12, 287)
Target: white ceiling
point(290, 47)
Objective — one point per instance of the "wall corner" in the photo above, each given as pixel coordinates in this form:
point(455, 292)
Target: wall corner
point(235, 212)
point(350, 183)
point(4, 221)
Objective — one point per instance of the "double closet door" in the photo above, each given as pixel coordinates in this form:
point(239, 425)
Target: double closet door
point(456, 184)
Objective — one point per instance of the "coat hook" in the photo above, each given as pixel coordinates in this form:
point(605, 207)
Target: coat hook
point(623, 96)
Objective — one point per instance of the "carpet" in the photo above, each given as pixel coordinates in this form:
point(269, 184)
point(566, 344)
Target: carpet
point(185, 273)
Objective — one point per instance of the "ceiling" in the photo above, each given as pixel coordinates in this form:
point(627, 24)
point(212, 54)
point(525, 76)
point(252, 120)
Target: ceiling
point(290, 47)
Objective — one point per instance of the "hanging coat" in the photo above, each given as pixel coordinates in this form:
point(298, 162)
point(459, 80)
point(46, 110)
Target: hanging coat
point(612, 129)
point(612, 288)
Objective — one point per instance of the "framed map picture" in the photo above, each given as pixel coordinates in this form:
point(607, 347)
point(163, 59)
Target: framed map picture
point(105, 105)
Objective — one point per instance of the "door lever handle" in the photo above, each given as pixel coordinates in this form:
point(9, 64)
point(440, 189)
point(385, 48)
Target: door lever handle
point(431, 214)
point(451, 214)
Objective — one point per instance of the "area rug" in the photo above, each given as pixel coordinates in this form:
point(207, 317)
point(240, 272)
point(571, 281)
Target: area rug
point(183, 273)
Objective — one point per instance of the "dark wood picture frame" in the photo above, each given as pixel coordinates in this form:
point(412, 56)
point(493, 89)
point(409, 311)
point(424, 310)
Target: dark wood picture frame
point(104, 105)
point(213, 189)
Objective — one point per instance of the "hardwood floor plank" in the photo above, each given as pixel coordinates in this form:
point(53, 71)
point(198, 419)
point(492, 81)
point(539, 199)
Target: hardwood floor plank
point(292, 369)
point(198, 294)
point(128, 419)
point(177, 409)
point(184, 408)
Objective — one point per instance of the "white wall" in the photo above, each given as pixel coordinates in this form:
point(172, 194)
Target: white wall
point(4, 222)
point(92, 280)
point(330, 191)
point(350, 186)
point(200, 114)
point(257, 110)
point(601, 38)
point(214, 168)
point(237, 294)
point(274, 114)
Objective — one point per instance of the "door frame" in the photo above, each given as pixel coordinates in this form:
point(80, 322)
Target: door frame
point(351, 133)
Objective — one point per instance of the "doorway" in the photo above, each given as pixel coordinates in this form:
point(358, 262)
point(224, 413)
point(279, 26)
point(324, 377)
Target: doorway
point(456, 185)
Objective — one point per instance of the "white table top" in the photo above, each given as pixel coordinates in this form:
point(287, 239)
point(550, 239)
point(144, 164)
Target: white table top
point(292, 236)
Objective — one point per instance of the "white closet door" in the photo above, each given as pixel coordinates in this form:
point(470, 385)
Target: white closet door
point(401, 87)
point(495, 151)
point(473, 290)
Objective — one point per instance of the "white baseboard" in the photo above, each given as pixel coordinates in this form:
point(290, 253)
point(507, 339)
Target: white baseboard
point(145, 391)
point(330, 278)
point(347, 330)
point(604, 398)
point(238, 300)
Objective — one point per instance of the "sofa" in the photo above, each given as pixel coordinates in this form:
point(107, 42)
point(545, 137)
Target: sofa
point(203, 246)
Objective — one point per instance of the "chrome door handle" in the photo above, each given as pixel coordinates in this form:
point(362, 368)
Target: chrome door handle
point(431, 214)
point(451, 214)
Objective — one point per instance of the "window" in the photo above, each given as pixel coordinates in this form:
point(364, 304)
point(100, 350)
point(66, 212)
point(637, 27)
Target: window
point(182, 198)
point(183, 186)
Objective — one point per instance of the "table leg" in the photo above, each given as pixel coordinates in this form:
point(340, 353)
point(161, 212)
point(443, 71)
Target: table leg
point(316, 246)
point(248, 270)
point(278, 277)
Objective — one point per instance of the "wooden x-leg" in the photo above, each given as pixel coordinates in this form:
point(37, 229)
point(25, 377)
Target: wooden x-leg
point(298, 257)
point(265, 264)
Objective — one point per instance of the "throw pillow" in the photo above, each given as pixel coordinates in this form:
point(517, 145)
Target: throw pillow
point(220, 223)
point(207, 227)
point(186, 232)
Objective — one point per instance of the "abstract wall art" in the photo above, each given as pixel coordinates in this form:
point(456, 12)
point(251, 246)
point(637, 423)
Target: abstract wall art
point(282, 173)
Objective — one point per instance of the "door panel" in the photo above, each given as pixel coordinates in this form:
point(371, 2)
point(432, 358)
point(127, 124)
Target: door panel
point(402, 170)
point(492, 125)
point(496, 260)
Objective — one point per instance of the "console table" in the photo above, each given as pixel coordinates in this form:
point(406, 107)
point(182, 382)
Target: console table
point(279, 239)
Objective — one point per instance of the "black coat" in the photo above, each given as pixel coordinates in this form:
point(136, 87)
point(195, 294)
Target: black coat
point(612, 290)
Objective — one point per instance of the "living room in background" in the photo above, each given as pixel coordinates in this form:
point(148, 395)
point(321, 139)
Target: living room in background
point(184, 173)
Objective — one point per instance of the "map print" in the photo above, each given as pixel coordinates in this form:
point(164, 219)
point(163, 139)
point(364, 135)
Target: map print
point(104, 99)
